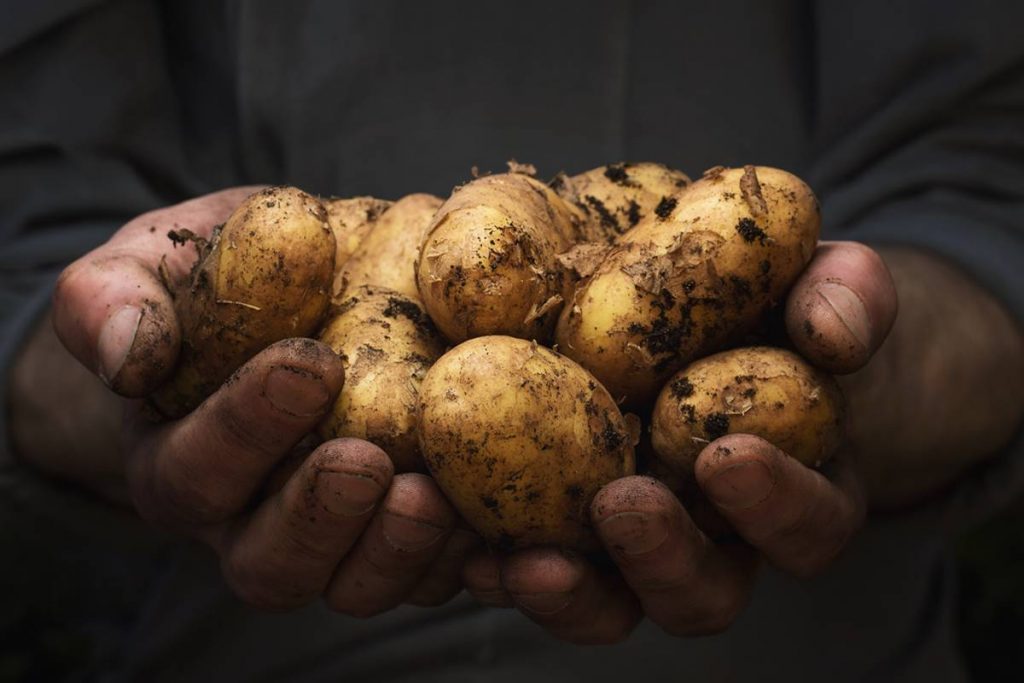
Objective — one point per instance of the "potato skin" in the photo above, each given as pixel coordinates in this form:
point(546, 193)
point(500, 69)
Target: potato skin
point(387, 343)
point(678, 287)
point(616, 197)
point(768, 392)
point(488, 262)
point(520, 439)
point(264, 276)
point(351, 220)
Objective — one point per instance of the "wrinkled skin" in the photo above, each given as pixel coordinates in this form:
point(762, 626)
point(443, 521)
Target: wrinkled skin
point(291, 521)
point(115, 317)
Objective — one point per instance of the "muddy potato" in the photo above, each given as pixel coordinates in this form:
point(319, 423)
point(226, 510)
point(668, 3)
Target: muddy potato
point(386, 257)
point(768, 392)
point(351, 220)
point(616, 197)
point(520, 439)
point(682, 284)
point(264, 276)
point(488, 264)
point(387, 343)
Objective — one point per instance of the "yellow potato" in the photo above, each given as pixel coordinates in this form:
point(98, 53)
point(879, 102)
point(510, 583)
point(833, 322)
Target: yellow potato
point(386, 257)
point(387, 343)
point(768, 392)
point(264, 276)
point(488, 263)
point(682, 285)
point(351, 220)
point(616, 197)
point(520, 439)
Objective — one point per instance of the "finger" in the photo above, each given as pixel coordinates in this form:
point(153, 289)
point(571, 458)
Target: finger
point(686, 584)
point(116, 317)
point(794, 515)
point(285, 553)
point(842, 307)
point(403, 539)
point(443, 579)
point(111, 308)
point(481, 575)
point(206, 467)
point(568, 597)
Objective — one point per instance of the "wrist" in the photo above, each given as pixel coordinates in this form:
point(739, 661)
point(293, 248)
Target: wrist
point(943, 392)
point(64, 422)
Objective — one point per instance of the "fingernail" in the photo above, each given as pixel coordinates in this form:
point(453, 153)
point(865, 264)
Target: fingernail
point(296, 392)
point(409, 535)
point(741, 486)
point(542, 603)
point(116, 340)
point(346, 494)
point(849, 309)
point(634, 533)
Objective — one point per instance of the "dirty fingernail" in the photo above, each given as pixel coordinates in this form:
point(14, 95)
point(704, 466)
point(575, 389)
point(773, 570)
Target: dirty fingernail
point(409, 535)
point(634, 533)
point(741, 486)
point(296, 392)
point(346, 494)
point(542, 603)
point(116, 339)
point(849, 308)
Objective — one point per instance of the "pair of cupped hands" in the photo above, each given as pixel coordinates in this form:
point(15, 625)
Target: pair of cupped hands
point(293, 523)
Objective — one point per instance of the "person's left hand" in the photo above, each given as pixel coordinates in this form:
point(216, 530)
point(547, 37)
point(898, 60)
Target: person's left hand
point(669, 570)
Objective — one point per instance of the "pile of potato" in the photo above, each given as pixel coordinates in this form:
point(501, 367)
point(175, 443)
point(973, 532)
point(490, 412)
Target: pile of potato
point(495, 338)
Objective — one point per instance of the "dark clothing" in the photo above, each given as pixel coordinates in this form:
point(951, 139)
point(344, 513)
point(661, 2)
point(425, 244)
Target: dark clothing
point(906, 117)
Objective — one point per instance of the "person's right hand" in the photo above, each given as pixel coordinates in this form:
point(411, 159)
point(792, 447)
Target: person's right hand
point(288, 525)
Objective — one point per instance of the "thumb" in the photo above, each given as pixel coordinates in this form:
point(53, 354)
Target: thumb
point(116, 317)
point(112, 309)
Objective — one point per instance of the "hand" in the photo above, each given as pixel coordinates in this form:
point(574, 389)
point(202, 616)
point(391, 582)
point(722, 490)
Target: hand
point(288, 524)
point(667, 568)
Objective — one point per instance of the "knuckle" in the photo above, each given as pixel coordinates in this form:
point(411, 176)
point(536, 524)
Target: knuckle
point(305, 544)
point(192, 499)
point(716, 614)
point(239, 429)
point(681, 576)
point(792, 524)
point(618, 629)
point(434, 595)
point(261, 589)
point(393, 568)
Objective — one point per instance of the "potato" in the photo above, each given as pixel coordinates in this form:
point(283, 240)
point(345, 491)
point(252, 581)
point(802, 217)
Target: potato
point(351, 220)
point(386, 257)
point(520, 439)
point(488, 263)
point(682, 284)
point(264, 276)
point(768, 392)
point(616, 197)
point(387, 343)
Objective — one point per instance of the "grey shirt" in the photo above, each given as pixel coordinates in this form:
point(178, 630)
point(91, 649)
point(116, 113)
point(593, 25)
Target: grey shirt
point(906, 117)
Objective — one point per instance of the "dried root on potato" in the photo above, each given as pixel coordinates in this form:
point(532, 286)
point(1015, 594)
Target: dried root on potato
point(767, 392)
point(264, 276)
point(520, 439)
